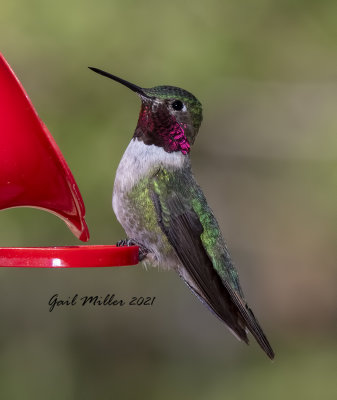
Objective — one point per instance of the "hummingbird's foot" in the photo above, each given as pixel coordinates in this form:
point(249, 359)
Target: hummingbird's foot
point(143, 251)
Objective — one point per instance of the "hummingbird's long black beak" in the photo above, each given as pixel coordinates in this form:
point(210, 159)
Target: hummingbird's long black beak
point(130, 85)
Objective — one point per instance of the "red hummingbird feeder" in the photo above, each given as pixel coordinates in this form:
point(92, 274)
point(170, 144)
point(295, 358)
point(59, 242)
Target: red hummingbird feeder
point(34, 173)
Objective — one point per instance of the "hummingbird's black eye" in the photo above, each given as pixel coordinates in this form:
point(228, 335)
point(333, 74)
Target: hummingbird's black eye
point(177, 105)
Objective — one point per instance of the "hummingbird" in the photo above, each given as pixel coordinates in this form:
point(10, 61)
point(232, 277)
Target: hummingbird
point(164, 211)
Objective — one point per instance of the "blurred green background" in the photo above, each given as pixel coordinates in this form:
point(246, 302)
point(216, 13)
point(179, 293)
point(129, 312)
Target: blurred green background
point(266, 156)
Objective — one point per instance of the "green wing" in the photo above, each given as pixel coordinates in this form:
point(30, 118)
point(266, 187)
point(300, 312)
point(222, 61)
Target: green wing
point(191, 229)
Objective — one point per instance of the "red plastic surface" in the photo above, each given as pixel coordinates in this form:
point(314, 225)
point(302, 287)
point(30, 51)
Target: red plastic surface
point(68, 257)
point(33, 172)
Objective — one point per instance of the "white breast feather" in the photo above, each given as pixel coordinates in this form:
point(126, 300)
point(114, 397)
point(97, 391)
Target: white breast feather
point(140, 158)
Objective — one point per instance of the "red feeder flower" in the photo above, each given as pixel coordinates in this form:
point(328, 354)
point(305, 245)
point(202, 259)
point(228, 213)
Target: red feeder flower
point(34, 173)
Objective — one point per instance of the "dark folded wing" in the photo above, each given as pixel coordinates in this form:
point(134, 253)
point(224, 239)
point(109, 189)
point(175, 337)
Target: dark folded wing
point(183, 229)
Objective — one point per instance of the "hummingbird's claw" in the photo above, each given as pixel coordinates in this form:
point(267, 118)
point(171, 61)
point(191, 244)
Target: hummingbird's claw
point(123, 242)
point(143, 251)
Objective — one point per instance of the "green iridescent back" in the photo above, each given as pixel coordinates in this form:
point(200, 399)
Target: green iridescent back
point(182, 183)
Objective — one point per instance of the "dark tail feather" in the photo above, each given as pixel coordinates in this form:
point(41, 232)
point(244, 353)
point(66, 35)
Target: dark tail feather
point(234, 313)
point(249, 320)
point(259, 335)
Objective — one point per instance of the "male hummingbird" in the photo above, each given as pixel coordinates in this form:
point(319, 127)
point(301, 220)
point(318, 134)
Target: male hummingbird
point(163, 210)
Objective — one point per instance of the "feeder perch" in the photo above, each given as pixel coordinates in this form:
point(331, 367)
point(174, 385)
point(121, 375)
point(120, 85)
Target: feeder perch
point(34, 173)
